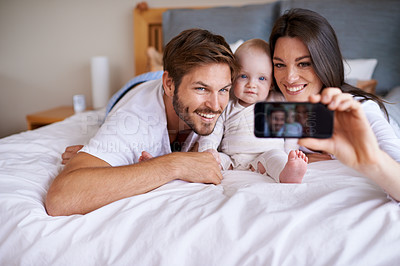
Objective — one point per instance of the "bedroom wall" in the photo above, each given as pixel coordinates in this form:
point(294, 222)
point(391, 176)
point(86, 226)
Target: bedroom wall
point(46, 46)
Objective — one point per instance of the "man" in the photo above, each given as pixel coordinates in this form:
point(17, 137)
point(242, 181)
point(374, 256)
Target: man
point(276, 117)
point(193, 92)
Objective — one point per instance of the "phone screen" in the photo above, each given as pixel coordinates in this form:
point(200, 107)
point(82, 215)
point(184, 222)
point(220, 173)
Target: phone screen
point(292, 120)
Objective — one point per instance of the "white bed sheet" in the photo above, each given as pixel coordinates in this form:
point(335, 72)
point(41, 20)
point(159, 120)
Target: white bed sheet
point(335, 217)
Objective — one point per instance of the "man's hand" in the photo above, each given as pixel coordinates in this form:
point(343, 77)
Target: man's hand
point(197, 167)
point(216, 155)
point(87, 183)
point(70, 153)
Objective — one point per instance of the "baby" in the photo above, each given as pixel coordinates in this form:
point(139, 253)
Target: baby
point(234, 136)
point(292, 127)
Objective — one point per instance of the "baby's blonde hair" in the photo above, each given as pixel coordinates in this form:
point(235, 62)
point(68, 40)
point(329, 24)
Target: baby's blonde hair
point(254, 43)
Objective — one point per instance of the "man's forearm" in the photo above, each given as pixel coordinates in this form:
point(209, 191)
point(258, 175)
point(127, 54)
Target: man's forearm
point(88, 183)
point(82, 190)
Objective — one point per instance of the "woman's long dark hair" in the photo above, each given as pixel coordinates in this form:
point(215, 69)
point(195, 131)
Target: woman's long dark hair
point(320, 38)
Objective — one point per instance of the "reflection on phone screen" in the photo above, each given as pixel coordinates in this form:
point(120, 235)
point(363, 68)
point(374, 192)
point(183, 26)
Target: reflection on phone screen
point(293, 120)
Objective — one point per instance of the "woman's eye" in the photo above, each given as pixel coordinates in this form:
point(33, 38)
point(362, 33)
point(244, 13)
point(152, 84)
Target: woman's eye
point(278, 65)
point(304, 64)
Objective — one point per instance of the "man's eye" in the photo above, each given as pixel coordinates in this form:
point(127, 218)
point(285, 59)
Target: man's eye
point(200, 88)
point(224, 90)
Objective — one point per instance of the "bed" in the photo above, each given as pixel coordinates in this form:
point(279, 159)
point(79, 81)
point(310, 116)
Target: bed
point(335, 217)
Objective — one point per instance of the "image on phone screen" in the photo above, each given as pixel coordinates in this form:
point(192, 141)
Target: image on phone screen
point(292, 120)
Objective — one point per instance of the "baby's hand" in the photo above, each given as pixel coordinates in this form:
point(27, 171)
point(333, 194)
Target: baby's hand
point(215, 154)
point(145, 156)
point(70, 153)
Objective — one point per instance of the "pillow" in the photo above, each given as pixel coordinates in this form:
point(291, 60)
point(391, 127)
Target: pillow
point(235, 45)
point(358, 72)
point(154, 59)
point(234, 22)
point(359, 69)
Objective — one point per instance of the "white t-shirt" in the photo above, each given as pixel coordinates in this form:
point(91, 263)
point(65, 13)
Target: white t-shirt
point(384, 132)
point(137, 123)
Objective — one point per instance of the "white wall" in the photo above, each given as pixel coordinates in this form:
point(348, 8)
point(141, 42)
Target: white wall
point(46, 46)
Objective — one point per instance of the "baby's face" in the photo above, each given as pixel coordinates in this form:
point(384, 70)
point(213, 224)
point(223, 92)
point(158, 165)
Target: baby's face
point(255, 77)
point(291, 118)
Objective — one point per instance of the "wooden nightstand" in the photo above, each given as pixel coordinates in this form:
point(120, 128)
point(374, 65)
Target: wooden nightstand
point(47, 117)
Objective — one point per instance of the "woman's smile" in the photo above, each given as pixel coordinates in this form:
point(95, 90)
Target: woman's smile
point(295, 89)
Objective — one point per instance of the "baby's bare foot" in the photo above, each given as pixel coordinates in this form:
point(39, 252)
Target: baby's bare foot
point(295, 168)
point(261, 168)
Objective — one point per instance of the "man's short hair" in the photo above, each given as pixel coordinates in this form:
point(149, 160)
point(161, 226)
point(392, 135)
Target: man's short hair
point(193, 48)
point(275, 108)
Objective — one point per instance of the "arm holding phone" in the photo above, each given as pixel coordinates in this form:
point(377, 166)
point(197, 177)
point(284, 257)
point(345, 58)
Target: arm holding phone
point(354, 143)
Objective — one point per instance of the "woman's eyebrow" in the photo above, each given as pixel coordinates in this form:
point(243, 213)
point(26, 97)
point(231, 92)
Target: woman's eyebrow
point(302, 57)
point(297, 59)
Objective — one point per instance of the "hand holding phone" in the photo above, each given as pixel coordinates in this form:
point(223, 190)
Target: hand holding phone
point(292, 120)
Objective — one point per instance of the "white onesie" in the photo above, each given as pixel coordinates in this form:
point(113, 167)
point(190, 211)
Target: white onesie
point(234, 137)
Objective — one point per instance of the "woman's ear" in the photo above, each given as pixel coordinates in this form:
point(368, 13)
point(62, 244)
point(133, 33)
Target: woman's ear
point(168, 84)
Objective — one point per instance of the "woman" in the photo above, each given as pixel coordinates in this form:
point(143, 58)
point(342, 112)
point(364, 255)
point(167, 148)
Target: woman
point(308, 66)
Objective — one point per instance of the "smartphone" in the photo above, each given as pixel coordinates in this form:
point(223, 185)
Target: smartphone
point(292, 120)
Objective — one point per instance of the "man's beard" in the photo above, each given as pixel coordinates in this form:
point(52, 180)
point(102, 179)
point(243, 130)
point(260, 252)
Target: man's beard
point(182, 111)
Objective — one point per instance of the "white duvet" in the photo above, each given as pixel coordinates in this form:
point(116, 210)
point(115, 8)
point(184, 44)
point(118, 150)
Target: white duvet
point(335, 217)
